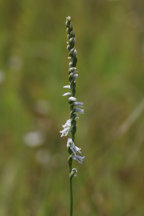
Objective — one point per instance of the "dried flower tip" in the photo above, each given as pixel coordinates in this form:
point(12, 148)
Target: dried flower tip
point(73, 173)
point(72, 99)
point(68, 19)
point(67, 94)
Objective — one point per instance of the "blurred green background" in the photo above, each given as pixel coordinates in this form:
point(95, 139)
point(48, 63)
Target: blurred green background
point(33, 69)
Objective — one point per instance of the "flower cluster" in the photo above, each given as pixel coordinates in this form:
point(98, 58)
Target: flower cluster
point(75, 106)
point(75, 151)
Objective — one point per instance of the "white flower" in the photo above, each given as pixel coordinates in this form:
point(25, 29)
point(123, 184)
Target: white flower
point(67, 124)
point(68, 18)
point(65, 132)
point(75, 52)
point(70, 64)
point(75, 150)
point(73, 147)
point(81, 111)
point(66, 128)
point(80, 104)
point(66, 86)
point(66, 94)
point(74, 76)
point(78, 158)
point(72, 69)
point(72, 99)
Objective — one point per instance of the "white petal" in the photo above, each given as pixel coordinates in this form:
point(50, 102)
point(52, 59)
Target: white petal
point(73, 147)
point(66, 94)
point(78, 150)
point(72, 69)
point(81, 111)
point(69, 142)
point(67, 124)
point(70, 64)
point(78, 158)
point(75, 52)
point(80, 104)
point(64, 132)
point(75, 76)
point(72, 99)
point(66, 86)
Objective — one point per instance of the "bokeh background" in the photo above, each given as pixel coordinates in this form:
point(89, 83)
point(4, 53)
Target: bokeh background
point(33, 69)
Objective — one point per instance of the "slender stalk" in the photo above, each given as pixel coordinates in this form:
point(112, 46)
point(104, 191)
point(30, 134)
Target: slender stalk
point(70, 125)
point(71, 195)
point(70, 183)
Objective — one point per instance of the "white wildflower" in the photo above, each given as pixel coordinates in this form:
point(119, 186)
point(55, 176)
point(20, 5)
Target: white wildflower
point(73, 147)
point(75, 76)
point(75, 150)
point(66, 128)
point(65, 132)
point(66, 86)
point(80, 104)
point(71, 69)
point(78, 158)
point(75, 52)
point(67, 94)
point(70, 64)
point(78, 110)
point(72, 99)
point(67, 124)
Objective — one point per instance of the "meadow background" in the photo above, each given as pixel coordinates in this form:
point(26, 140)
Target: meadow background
point(33, 69)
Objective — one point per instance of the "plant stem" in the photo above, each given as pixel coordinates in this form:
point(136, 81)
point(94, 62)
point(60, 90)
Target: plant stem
point(71, 198)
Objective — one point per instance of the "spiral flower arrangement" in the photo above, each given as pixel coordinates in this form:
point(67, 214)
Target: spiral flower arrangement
point(75, 108)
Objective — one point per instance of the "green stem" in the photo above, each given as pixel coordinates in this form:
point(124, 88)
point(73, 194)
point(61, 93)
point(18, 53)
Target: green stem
point(71, 198)
point(71, 191)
